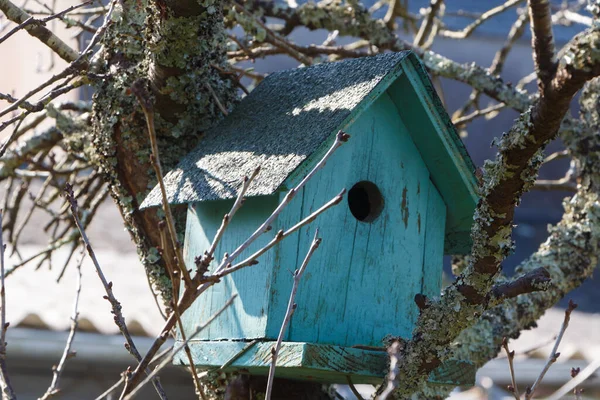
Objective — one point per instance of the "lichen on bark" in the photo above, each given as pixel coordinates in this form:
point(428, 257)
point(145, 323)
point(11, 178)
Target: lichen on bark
point(175, 47)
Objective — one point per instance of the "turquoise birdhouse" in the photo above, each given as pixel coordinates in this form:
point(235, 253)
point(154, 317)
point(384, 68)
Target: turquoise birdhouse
point(410, 199)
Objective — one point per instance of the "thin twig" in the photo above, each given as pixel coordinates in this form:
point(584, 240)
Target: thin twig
point(353, 389)
point(237, 355)
point(116, 306)
point(189, 295)
point(111, 389)
point(272, 37)
point(289, 312)
point(394, 352)
point(15, 14)
point(511, 366)
point(143, 97)
point(558, 184)
point(177, 349)
point(559, 155)
point(576, 381)
point(341, 138)
point(216, 99)
point(203, 262)
point(427, 24)
point(477, 113)
point(469, 29)
point(188, 353)
point(42, 22)
point(54, 387)
point(251, 260)
point(554, 354)
point(7, 389)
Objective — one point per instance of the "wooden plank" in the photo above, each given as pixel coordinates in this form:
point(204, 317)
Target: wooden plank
point(322, 363)
point(360, 284)
point(286, 259)
point(247, 316)
point(386, 272)
point(313, 362)
point(324, 282)
point(433, 135)
point(434, 237)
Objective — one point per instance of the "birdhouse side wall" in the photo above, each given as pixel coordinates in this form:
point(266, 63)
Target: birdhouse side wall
point(360, 284)
point(432, 131)
point(246, 318)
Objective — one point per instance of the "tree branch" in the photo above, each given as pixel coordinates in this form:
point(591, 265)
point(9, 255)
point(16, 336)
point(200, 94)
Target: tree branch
point(542, 41)
point(536, 280)
point(466, 32)
point(570, 254)
point(38, 31)
point(511, 174)
point(8, 392)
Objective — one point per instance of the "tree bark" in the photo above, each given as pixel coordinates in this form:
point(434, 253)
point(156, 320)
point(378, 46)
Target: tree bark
point(174, 46)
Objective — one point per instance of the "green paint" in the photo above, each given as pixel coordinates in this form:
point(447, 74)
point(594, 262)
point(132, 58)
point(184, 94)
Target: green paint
point(314, 362)
point(360, 284)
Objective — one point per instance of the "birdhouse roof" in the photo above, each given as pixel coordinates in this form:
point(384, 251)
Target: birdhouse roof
point(292, 116)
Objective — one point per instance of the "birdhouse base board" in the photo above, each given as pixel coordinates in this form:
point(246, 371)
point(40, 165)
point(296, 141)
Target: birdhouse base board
point(309, 361)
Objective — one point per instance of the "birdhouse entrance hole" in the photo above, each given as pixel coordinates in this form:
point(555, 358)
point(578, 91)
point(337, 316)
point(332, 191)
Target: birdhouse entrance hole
point(365, 201)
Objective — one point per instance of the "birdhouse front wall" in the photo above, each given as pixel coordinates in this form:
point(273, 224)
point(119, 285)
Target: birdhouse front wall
point(360, 284)
point(247, 316)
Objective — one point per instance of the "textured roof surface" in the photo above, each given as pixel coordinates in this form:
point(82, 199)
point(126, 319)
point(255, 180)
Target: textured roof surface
point(277, 126)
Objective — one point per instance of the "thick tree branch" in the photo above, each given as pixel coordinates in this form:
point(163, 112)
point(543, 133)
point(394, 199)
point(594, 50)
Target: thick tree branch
point(542, 41)
point(512, 173)
point(570, 254)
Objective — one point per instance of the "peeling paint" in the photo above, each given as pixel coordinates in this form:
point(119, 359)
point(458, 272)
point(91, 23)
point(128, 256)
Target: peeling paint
point(404, 207)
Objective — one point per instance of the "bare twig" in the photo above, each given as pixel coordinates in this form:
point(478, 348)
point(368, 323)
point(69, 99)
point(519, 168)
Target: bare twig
point(111, 389)
point(576, 381)
point(216, 99)
point(41, 22)
point(353, 389)
point(203, 262)
point(167, 360)
point(427, 24)
point(516, 32)
point(469, 29)
point(251, 260)
point(511, 365)
point(15, 14)
point(189, 295)
point(237, 355)
point(143, 96)
point(559, 184)
point(461, 121)
point(536, 280)
point(341, 138)
point(554, 354)
point(116, 306)
point(559, 155)
point(394, 351)
point(272, 37)
point(54, 387)
point(7, 389)
point(289, 312)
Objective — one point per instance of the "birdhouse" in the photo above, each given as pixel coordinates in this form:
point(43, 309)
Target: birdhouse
point(410, 200)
